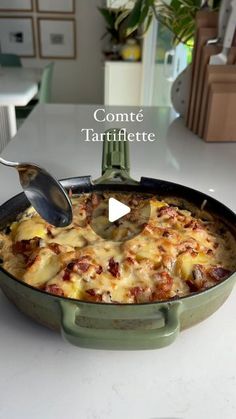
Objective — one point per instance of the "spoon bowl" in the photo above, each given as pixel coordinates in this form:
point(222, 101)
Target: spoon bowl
point(44, 192)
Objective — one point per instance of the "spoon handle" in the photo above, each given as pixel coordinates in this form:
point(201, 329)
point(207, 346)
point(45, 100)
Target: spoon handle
point(8, 163)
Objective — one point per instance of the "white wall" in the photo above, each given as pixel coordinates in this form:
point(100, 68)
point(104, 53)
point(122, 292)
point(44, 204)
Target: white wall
point(80, 80)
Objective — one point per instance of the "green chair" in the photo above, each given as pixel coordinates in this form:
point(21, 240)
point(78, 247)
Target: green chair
point(44, 94)
point(10, 60)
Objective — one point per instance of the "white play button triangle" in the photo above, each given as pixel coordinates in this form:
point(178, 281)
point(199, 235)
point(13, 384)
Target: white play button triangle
point(116, 209)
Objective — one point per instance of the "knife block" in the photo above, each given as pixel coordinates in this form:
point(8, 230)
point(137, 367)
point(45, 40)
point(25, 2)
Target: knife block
point(212, 98)
point(208, 21)
point(214, 74)
point(220, 124)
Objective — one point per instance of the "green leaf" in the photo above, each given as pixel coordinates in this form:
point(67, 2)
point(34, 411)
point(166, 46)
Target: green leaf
point(122, 16)
point(147, 24)
point(132, 21)
point(178, 16)
point(107, 14)
point(144, 13)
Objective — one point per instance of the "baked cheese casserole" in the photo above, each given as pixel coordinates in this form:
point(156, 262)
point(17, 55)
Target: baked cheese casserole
point(176, 253)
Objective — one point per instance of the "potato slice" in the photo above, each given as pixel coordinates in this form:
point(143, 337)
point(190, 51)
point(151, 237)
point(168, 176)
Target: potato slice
point(184, 264)
point(29, 229)
point(72, 237)
point(45, 266)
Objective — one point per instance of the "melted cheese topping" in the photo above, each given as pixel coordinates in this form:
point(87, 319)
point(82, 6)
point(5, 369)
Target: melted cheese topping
point(175, 254)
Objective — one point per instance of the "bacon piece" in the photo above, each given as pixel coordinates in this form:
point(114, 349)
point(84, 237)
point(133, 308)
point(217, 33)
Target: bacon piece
point(95, 296)
point(167, 211)
point(192, 286)
point(66, 275)
point(209, 252)
point(25, 246)
point(198, 272)
point(92, 202)
point(99, 270)
point(49, 231)
point(55, 247)
point(136, 292)
point(30, 260)
point(88, 210)
point(133, 202)
point(54, 289)
point(81, 264)
point(148, 227)
point(219, 273)
point(190, 246)
point(140, 294)
point(95, 200)
point(167, 281)
point(168, 262)
point(163, 287)
point(194, 225)
point(113, 268)
point(198, 279)
point(73, 267)
point(181, 217)
point(130, 261)
point(91, 292)
point(166, 233)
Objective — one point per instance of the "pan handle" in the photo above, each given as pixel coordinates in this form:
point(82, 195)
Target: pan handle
point(115, 158)
point(113, 338)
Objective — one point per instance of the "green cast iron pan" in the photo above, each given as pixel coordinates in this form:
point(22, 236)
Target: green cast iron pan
point(119, 326)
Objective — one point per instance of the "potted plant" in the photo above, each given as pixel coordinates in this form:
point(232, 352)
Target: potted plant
point(117, 33)
point(176, 15)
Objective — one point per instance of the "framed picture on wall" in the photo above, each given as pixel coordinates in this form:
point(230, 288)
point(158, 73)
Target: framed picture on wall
point(55, 6)
point(17, 36)
point(56, 38)
point(16, 6)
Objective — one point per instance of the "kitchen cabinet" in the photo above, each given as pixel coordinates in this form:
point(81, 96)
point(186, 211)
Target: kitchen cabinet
point(122, 83)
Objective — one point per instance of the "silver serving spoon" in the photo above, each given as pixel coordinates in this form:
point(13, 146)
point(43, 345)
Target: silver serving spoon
point(45, 193)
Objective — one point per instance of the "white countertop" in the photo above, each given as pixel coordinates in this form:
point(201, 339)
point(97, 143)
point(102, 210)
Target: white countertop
point(43, 377)
point(18, 85)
